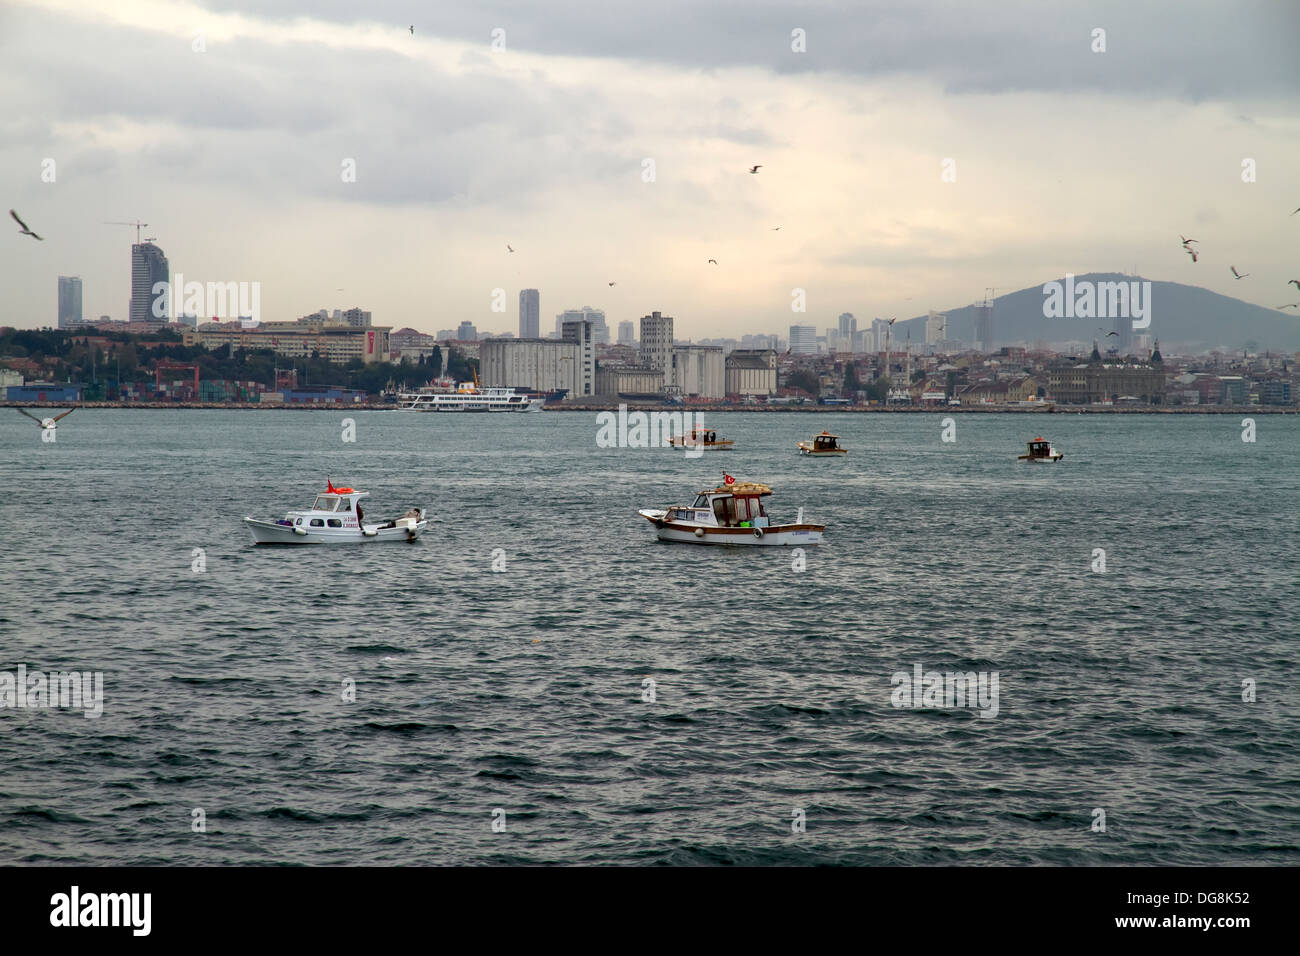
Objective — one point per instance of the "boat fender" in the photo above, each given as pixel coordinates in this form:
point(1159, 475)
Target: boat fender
point(758, 532)
point(369, 532)
point(299, 530)
point(699, 532)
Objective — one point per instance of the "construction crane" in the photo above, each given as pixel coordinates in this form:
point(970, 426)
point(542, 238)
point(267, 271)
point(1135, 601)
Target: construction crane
point(138, 226)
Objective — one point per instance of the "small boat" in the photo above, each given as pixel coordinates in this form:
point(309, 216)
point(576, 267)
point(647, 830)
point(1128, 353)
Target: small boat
point(335, 517)
point(732, 513)
point(823, 445)
point(1040, 449)
point(700, 438)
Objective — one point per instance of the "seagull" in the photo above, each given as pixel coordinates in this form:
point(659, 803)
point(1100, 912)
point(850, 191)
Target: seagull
point(612, 284)
point(1236, 274)
point(1186, 240)
point(753, 170)
point(776, 228)
point(509, 248)
point(1290, 305)
point(714, 261)
point(1298, 210)
point(412, 29)
point(25, 230)
point(1294, 282)
point(47, 424)
point(1191, 252)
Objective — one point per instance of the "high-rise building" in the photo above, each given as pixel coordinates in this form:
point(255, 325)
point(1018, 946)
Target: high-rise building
point(581, 332)
point(848, 325)
point(148, 267)
point(626, 332)
point(356, 318)
point(936, 328)
point(879, 331)
point(69, 301)
point(466, 332)
point(803, 340)
point(530, 304)
point(657, 343)
point(595, 316)
point(984, 327)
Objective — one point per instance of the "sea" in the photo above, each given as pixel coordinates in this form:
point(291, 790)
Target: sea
point(539, 681)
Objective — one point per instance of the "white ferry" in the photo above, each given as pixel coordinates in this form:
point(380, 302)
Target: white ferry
point(335, 517)
point(730, 514)
point(448, 396)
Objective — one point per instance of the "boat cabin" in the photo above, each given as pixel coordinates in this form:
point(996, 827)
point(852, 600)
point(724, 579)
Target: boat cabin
point(1040, 448)
point(339, 508)
point(826, 442)
point(732, 506)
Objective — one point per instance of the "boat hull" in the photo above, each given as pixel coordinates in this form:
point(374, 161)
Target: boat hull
point(268, 532)
point(774, 536)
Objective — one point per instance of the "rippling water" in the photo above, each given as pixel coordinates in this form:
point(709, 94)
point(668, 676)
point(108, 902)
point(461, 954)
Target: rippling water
point(523, 691)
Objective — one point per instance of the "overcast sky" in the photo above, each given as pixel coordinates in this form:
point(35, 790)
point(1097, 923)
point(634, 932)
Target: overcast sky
point(1065, 159)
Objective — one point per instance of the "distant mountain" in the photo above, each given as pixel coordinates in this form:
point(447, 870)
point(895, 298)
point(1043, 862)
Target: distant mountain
point(1183, 317)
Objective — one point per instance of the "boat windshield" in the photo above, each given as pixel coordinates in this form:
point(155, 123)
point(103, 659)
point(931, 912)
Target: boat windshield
point(325, 503)
point(702, 501)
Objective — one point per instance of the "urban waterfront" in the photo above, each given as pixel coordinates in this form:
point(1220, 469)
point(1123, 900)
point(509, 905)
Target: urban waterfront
point(520, 694)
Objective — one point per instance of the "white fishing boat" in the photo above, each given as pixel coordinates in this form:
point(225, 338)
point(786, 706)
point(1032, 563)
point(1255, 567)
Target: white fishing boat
point(732, 513)
point(448, 396)
point(1041, 450)
point(336, 517)
point(824, 445)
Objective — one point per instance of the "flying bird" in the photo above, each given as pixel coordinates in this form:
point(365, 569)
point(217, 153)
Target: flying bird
point(1294, 282)
point(612, 284)
point(1191, 252)
point(1290, 305)
point(1236, 274)
point(412, 29)
point(753, 170)
point(45, 423)
point(509, 248)
point(776, 228)
point(714, 261)
point(1298, 210)
point(1186, 240)
point(25, 230)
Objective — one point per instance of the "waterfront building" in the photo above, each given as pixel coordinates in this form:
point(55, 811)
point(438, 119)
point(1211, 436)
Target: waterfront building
point(543, 365)
point(751, 372)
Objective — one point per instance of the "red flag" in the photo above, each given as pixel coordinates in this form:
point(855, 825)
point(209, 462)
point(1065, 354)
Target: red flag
point(727, 479)
point(329, 485)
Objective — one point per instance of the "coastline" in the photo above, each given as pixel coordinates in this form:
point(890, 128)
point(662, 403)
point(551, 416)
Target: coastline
point(711, 409)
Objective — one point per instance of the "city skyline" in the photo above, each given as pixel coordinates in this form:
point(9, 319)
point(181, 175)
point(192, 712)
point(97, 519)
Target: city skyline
point(1058, 189)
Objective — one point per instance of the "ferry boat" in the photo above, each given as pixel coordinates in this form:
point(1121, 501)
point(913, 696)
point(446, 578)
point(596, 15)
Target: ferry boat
point(336, 517)
point(701, 438)
point(445, 395)
point(824, 445)
point(1040, 449)
point(732, 513)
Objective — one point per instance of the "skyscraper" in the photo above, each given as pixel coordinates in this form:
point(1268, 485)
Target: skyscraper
point(148, 267)
point(936, 328)
point(626, 332)
point(984, 327)
point(848, 325)
point(803, 340)
point(600, 332)
point(69, 301)
point(530, 304)
point(657, 343)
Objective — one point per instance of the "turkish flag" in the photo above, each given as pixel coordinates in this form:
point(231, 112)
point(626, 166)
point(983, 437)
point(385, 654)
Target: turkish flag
point(727, 479)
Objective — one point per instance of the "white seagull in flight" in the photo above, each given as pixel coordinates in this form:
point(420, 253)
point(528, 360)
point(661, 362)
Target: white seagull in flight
point(47, 424)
